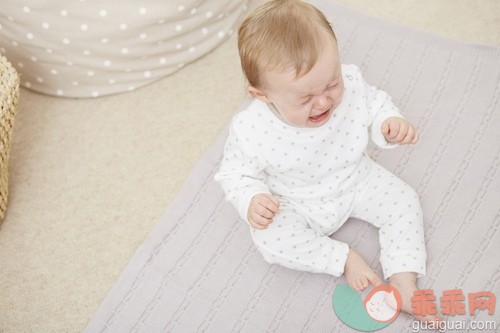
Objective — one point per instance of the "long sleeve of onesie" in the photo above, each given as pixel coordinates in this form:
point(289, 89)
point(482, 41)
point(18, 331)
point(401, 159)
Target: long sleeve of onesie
point(380, 107)
point(241, 175)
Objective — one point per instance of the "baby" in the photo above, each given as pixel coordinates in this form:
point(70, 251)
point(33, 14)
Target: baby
point(295, 165)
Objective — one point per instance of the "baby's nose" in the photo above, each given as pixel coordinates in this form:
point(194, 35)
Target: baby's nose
point(322, 102)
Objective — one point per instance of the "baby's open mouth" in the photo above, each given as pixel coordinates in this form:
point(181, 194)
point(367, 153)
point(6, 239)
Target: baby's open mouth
point(320, 117)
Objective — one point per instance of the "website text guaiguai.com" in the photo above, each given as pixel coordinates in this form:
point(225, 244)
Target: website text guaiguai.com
point(455, 326)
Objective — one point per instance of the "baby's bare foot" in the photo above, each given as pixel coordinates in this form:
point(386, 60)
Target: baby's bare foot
point(406, 284)
point(358, 274)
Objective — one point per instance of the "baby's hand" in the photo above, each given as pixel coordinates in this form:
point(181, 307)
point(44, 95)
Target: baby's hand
point(358, 274)
point(398, 130)
point(262, 209)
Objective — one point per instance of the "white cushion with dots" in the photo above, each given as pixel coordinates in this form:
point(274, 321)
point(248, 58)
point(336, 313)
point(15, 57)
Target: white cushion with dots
point(91, 48)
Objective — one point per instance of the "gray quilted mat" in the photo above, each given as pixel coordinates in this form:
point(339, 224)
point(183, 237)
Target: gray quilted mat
point(199, 272)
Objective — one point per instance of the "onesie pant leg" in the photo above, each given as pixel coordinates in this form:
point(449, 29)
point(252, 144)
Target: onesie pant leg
point(393, 206)
point(289, 241)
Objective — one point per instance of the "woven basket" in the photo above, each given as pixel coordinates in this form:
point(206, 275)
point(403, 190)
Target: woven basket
point(9, 94)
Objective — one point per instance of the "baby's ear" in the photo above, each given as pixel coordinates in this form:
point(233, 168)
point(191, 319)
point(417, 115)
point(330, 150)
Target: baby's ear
point(259, 94)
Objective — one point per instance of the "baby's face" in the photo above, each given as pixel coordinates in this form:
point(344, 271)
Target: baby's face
point(309, 100)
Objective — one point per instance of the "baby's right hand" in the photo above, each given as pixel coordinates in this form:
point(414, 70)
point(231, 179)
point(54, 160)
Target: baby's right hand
point(263, 207)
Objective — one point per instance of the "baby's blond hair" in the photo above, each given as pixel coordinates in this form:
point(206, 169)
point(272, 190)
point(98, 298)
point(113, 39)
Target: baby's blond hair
point(281, 34)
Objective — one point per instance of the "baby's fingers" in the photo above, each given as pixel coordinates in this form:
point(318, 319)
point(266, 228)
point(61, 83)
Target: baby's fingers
point(259, 222)
point(411, 136)
point(401, 133)
point(416, 138)
point(270, 203)
point(264, 211)
point(391, 129)
point(263, 208)
point(394, 130)
point(385, 128)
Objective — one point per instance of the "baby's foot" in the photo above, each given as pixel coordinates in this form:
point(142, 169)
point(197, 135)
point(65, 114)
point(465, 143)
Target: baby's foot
point(406, 284)
point(358, 274)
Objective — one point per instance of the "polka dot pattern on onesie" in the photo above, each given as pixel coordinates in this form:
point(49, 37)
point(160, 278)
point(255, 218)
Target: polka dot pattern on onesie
point(90, 48)
point(322, 176)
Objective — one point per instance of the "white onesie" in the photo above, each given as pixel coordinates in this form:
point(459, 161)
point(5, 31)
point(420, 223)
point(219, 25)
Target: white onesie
point(322, 176)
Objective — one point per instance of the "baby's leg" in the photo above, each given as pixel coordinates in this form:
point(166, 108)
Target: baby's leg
point(393, 206)
point(289, 241)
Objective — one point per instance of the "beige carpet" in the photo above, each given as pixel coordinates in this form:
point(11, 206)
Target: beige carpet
point(90, 178)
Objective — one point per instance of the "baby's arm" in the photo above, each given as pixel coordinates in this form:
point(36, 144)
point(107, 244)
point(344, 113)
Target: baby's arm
point(241, 175)
point(263, 207)
point(388, 126)
point(358, 274)
point(400, 131)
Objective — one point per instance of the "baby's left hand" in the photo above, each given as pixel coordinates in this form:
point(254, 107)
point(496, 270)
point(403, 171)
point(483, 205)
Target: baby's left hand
point(398, 130)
